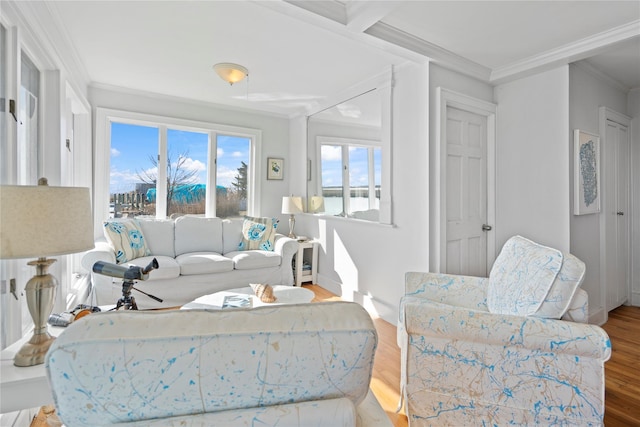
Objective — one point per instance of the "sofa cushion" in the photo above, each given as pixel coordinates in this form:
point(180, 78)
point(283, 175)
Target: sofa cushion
point(528, 279)
point(126, 238)
point(203, 263)
point(159, 234)
point(198, 234)
point(231, 234)
point(248, 260)
point(168, 267)
point(258, 233)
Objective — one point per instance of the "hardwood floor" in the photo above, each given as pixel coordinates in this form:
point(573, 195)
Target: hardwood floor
point(622, 371)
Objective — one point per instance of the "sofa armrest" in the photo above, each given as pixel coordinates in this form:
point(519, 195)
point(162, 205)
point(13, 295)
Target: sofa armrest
point(460, 291)
point(440, 321)
point(286, 247)
point(101, 252)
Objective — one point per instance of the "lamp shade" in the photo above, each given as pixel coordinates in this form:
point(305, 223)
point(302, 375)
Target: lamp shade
point(316, 204)
point(40, 221)
point(231, 73)
point(292, 205)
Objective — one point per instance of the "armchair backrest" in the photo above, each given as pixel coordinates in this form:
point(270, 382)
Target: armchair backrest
point(115, 367)
point(529, 279)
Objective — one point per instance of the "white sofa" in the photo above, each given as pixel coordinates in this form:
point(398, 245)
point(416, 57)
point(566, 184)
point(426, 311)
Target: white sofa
point(197, 256)
point(306, 365)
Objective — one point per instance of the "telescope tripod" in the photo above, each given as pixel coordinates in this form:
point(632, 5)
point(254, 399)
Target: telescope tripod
point(127, 301)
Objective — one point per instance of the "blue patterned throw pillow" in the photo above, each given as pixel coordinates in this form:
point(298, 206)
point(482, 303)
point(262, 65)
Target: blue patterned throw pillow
point(258, 233)
point(126, 239)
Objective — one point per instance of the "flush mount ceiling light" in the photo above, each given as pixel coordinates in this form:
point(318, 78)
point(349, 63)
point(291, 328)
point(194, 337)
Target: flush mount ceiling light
point(231, 73)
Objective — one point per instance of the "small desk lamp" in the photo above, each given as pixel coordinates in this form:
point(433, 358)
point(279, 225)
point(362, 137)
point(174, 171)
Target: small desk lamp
point(292, 205)
point(40, 221)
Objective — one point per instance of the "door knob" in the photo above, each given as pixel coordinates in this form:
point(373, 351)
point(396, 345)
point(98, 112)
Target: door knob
point(486, 227)
point(620, 213)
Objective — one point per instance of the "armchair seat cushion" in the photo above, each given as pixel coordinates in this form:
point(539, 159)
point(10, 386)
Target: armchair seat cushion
point(248, 260)
point(169, 268)
point(203, 263)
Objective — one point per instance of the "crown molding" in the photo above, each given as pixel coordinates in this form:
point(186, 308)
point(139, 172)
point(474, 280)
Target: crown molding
point(566, 54)
point(589, 68)
point(227, 106)
point(435, 53)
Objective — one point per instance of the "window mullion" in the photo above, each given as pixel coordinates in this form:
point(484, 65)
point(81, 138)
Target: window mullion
point(346, 186)
point(161, 184)
point(372, 177)
point(210, 208)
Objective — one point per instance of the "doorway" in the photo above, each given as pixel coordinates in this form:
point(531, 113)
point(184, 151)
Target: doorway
point(615, 249)
point(465, 184)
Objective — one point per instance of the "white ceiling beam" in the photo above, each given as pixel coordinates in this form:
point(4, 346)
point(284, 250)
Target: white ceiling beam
point(361, 14)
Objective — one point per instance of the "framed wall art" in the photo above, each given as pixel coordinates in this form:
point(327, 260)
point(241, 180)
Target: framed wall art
point(586, 173)
point(275, 168)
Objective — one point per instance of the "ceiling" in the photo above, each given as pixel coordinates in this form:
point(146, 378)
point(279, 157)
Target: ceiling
point(299, 53)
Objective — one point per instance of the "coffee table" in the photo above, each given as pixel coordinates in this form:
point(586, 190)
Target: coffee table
point(284, 295)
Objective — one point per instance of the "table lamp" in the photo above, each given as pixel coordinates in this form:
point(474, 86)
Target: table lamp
point(40, 221)
point(291, 206)
point(316, 204)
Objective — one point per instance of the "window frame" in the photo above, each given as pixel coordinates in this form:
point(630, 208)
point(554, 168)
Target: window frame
point(345, 144)
point(105, 117)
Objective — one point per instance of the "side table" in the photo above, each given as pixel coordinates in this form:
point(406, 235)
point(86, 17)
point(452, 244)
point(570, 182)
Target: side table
point(23, 387)
point(306, 267)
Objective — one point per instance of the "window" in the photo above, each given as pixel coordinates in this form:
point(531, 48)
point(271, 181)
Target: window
point(163, 167)
point(350, 176)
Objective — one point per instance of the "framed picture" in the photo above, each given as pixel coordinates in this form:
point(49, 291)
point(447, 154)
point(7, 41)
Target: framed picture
point(586, 173)
point(275, 168)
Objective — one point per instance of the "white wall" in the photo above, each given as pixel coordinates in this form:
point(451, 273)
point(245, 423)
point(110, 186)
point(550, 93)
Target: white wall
point(588, 92)
point(634, 111)
point(275, 130)
point(365, 261)
point(532, 158)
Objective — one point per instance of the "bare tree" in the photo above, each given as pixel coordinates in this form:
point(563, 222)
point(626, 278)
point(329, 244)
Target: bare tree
point(177, 175)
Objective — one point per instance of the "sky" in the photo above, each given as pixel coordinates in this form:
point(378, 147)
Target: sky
point(358, 166)
point(133, 146)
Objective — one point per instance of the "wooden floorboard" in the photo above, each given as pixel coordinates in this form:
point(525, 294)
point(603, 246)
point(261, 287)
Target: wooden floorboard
point(622, 371)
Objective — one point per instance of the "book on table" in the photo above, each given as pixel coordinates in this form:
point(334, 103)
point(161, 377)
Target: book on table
point(236, 301)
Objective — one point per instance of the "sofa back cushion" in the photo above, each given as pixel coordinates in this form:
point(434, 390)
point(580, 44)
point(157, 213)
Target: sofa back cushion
point(198, 234)
point(148, 365)
point(159, 234)
point(231, 234)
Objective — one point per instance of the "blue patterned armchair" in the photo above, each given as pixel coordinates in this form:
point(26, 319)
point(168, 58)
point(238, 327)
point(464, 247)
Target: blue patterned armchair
point(511, 349)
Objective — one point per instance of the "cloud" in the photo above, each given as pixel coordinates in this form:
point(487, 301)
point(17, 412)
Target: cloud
point(193, 165)
point(220, 152)
point(237, 154)
point(115, 152)
point(331, 152)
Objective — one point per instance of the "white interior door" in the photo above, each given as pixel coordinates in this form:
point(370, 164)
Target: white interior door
point(466, 193)
point(616, 211)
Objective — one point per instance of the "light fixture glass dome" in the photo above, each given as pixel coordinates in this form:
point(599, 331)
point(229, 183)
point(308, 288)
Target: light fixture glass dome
point(231, 73)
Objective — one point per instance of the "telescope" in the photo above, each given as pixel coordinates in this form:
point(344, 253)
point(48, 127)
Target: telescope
point(131, 273)
point(128, 275)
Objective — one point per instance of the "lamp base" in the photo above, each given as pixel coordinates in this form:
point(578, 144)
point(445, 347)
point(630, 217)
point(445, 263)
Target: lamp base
point(34, 350)
point(292, 225)
point(40, 295)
